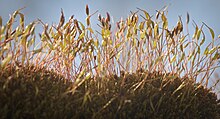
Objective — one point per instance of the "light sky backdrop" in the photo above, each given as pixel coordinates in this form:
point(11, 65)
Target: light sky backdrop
point(48, 11)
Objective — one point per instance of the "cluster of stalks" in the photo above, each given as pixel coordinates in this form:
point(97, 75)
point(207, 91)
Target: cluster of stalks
point(138, 42)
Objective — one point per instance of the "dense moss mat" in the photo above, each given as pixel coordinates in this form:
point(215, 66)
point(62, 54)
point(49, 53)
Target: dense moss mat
point(30, 93)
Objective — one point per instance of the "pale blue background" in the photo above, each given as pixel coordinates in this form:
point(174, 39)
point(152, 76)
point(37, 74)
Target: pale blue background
point(48, 11)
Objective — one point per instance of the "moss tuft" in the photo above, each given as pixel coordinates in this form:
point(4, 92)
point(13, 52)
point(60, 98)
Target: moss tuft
point(38, 93)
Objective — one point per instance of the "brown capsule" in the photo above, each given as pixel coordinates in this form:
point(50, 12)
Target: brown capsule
point(77, 26)
point(176, 30)
point(132, 18)
point(62, 19)
point(100, 17)
point(109, 26)
point(173, 33)
point(76, 23)
point(108, 17)
point(87, 10)
point(187, 18)
point(157, 15)
point(71, 18)
point(180, 26)
point(103, 22)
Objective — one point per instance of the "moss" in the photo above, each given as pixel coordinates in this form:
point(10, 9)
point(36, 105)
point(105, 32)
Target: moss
point(38, 93)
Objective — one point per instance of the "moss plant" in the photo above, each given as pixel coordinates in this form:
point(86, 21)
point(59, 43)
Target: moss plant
point(31, 93)
point(140, 69)
point(38, 93)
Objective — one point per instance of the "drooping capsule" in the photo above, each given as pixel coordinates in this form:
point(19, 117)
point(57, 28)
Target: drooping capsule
point(87, 10)
point(107, 17)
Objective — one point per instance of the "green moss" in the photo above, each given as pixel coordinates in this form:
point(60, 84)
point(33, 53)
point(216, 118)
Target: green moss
point(76, 50)
point(31, 93)
point(37, 93)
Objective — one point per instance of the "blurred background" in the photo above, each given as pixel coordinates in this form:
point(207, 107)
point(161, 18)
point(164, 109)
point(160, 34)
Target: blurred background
point(49, 10)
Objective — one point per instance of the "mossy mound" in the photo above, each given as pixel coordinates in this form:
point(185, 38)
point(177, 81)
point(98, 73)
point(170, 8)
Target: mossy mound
point(31, 93)
point(37, 93)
